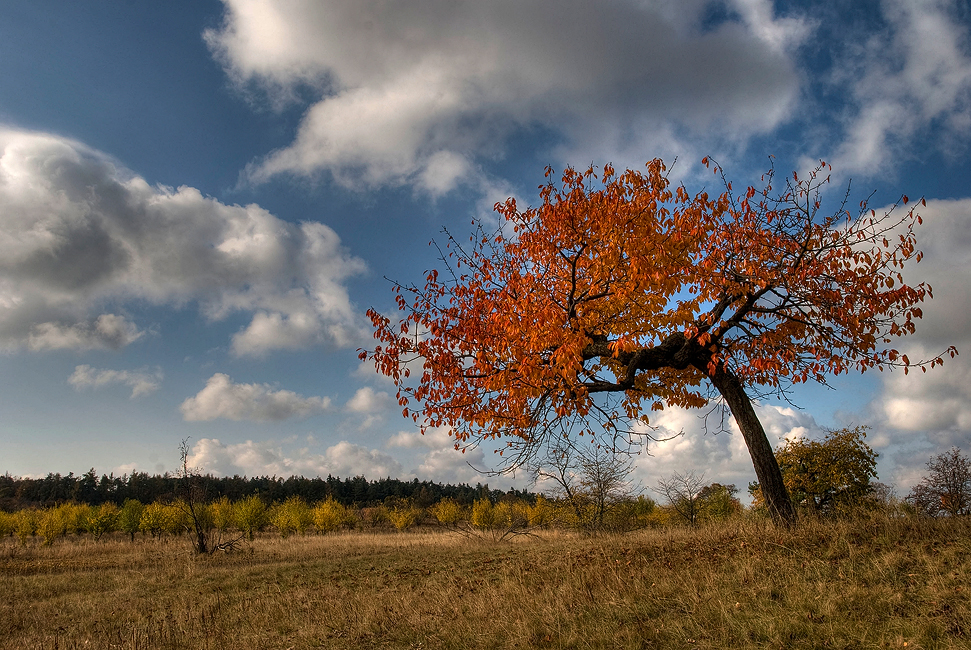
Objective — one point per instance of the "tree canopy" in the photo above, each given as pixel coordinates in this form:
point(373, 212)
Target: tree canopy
point(620, 294)
point(830, 475)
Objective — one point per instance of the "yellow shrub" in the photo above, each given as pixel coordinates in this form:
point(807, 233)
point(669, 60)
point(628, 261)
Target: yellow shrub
point(52, 523)
point(483, 515)
point(330, 516)
point(8, 523)
point(155, 519)
point(448, 512)
point(104, 520)
point(405, 516)
point(179, 520)
point(250, 515)
point(291, 516)
point(222, 514)
point(542, 513)
point(26, 525)
point(77, 517)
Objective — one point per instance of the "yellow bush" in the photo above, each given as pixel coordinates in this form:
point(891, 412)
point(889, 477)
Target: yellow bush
point(26, 524)
point(483, 515)
point(330, 516)
point(77, 517)
point(179, 520)
point(155, 519)
point(8, 523)
point(541, 514)
point(222, 514)
point(508, 515)
point(448, 512)
point(404, 516)
point(250, 515)
point(104, 520)
point(52, 523)
point(291, 516)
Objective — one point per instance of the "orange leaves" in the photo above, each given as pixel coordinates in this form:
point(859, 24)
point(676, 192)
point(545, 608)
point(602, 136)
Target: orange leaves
point(610, 269)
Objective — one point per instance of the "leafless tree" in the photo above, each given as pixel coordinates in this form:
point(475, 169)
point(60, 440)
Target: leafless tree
point(682, 492)
point(206, 538)
point(946, 490)
point(595, 474)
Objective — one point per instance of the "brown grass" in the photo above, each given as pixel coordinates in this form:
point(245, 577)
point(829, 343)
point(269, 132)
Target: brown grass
point(872, 583)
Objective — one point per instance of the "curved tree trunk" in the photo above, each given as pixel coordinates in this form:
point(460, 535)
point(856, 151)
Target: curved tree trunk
point(766, 467)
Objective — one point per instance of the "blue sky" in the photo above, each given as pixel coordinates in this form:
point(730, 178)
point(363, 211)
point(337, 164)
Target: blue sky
point(199, 200)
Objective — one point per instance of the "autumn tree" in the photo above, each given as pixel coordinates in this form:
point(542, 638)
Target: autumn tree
point(620, 294)
point(718, 501)
point(130, 517)
point(829, 475)
point(946, 490)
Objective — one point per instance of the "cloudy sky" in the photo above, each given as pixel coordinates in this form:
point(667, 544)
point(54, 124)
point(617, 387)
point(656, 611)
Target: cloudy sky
point(199, 200)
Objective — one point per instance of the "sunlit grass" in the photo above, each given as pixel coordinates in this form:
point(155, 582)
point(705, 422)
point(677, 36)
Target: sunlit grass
point(870, 583)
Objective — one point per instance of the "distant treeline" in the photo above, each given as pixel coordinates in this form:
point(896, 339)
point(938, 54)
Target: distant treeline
point(17, 493)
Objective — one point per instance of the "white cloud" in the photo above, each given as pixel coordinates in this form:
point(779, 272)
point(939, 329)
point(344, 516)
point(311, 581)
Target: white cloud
point(912, 76)
point(416, 92)
point(108, 331)
point(141, 383)
point(922, 414)
point(450, 465)
point(268, 459)
point(434, 438)
point(719, 452)
point(368, 401)
point(79, 232)
point(221, 398)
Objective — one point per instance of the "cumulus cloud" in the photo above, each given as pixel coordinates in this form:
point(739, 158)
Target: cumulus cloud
point(267, 459)
point(418, 92)
point(107, 331)
point(450, 465)
point(141, 383)
point(79, 233)
point(921, 414)
point(221, 398)
point(433, 438)
point(910, 76)
point(368, 401)
point(714, 446)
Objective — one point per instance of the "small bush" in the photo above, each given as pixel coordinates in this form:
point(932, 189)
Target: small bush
point(483, 515)
point(330, 516)
point(130, 517)
point(156, 519)
point(405, 516)
point(251, 515)
point(291, 516)
point(447, 512)
point(104, 520)
point(26, 525)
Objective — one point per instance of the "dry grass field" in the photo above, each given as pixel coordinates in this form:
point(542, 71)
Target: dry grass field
point(873, 583)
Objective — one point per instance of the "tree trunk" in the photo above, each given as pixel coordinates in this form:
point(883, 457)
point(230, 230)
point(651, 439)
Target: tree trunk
point(766, 467)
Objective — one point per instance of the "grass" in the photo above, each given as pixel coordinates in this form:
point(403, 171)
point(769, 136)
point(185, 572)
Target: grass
point(872, 583)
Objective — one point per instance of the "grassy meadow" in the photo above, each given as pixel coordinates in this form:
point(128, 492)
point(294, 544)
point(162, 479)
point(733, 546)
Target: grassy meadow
point(875, 582)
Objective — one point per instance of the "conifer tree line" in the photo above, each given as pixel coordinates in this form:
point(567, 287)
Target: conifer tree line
point(834, 476)
point(17, 493)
